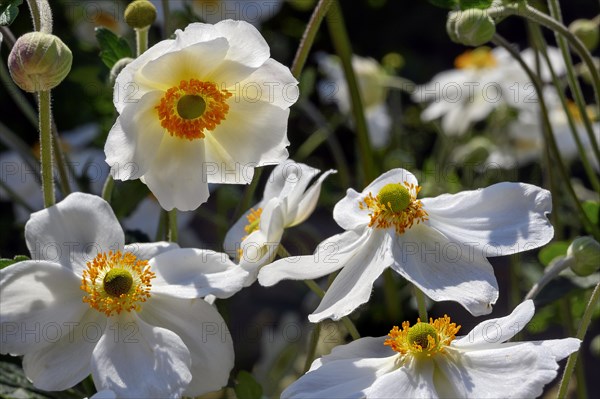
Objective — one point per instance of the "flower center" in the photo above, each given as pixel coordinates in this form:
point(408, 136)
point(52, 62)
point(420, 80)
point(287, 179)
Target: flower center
point(116, 282)
point(253, 220)
point(478, 58)
point(189, 109)
point(423, 338)
point(395, 205)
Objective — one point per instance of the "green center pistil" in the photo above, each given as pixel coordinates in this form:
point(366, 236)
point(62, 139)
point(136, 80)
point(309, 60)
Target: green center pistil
point(418, 334)
point(191, 106)
point(117, 282)
point(394, 196)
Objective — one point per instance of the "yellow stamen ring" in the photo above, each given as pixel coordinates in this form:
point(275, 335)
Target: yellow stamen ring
point(116, 282)
point(423, 338)
point(189, 109)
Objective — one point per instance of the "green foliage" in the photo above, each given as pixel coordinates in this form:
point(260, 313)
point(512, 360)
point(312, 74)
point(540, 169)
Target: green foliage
point(553, 250)
point(592, 210)
point(468, 4)
point(247, 387)
point(9, 10)
point(112, 47)
point(7, 262)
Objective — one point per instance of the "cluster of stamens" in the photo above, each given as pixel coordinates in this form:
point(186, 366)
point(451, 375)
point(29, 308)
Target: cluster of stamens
point(395, 205)
point(189, 109)
point(423, 338)
point(478, 58)
point(253, 218)
point(116, 282)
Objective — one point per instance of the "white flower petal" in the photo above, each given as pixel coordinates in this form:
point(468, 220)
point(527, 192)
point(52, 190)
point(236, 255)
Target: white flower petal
point(519, 370)
point(177, 176)
point(234, 236)
point(134, 139)
point(414, 380)
point(367, 347)
point(502, 219)
point(339, 379)
point(495, 331)
point(195, 273)
point(73, 231)
point(37, 297)
point(203, 332)
point(66, 361)
point(445, 270)
point(149, 250)
point(247, 46)
point(352, 287)
point(329, 256)
point(131, 350)
point(347, 212)
point(233, 152)
point(289, 180)
point(308, 201)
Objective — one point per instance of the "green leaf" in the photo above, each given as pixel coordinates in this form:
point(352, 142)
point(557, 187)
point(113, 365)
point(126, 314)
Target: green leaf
point(247, 387)
point(468, 4)
point(7, 262)
point(9, 10)
point(551, 251)
point(112, 47)
point(449, 4)
point(592, 210)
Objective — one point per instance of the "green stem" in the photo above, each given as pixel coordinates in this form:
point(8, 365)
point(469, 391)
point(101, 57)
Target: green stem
point(549, 135)
point(341, 42)
point(41, 14)
point(583, 326)
point(166, 19)
point(173, 234)
point(574, 83)
point(35, 14)
point(312, 347)
point(46, 148)
point(308, 37)
point(141, 40)
point(541, 45)
point(61, 164)
point(107, 189)
point(421, 305)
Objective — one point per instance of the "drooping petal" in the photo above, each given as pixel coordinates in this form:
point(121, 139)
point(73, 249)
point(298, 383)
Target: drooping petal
point(502, 219)
point(67, 360)
point(131, 350)
point(73, 231)
point(37, 299)
point(195, 273)
point(518, 370)
point(178, 175)
point(134, 139)
point(496, 331)
point(329, 256)
point(347, 378)
point(308, 201)
point(203, 332)
point(445, 270)
point(347, 212)
point(352, 287)
point(289, 179)
point(413, 380)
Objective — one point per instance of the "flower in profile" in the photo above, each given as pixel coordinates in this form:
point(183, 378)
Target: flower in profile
point(427, 360)
point(206, 107)
point(483, 80)
point(372, 83)
point(439, 244)
point(87, 303)
point(287, 201)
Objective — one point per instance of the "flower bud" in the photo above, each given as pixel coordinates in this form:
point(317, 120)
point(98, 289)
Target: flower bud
point(471, 27)
point(586, 253)
point(39, 61)
point(140, 14)
point(587, 31)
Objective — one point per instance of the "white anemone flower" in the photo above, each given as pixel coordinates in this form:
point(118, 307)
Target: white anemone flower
point(439, 244)
point(427, 360)
point(206, 107)
point(483, 80)
point(131, 315)
point(372, 82)
point(287, 201)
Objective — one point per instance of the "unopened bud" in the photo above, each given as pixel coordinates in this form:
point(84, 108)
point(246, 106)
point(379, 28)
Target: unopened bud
point(471, 27)
point(586, 254)
point(587, 31)
point(140, 14)
point(39, 61)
